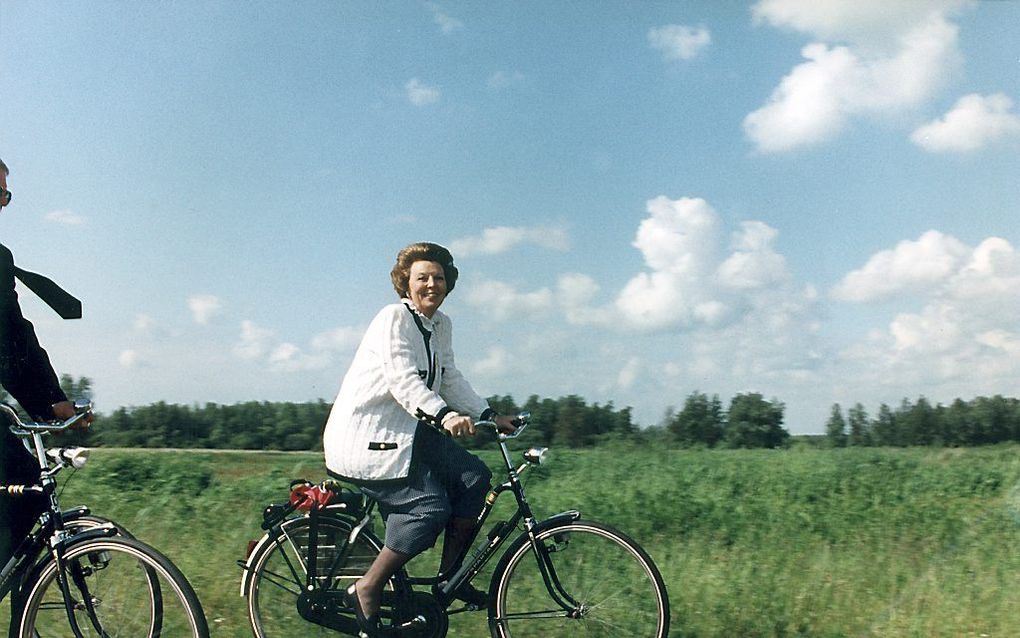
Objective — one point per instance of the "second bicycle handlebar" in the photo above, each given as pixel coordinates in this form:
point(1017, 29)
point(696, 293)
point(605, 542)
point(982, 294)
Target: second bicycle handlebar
point(82, 409)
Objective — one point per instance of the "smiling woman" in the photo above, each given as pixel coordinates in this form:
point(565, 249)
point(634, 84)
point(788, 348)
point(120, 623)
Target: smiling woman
point(386, 429)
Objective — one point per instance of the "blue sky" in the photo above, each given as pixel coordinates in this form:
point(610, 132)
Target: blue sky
point(815, 201)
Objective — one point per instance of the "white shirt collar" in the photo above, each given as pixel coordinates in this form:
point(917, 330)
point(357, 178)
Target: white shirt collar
point(429, 323)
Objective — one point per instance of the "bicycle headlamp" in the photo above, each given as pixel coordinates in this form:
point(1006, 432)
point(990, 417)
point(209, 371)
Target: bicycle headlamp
point(76, 456)
point(536, 455)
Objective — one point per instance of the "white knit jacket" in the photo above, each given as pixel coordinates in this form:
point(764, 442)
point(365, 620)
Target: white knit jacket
point(403, 372)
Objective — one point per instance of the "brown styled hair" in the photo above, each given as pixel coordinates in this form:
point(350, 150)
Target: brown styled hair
point(3, 167)
point(422, 251)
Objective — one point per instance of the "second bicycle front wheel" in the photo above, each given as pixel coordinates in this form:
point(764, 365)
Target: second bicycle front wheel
point(585, 580)
point(117, 587)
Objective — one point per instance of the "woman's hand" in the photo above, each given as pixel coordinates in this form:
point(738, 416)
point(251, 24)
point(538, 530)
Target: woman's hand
point(505, 424)
point(459, 425)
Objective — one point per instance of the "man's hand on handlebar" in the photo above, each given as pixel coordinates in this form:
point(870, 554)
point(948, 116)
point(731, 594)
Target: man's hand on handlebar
point(65, 410)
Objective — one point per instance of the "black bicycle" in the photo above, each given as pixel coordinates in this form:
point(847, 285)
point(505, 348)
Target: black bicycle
point(85, 576)
point(558, 577)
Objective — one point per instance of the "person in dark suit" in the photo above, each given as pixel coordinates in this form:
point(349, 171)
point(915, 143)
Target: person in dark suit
point(26, 373)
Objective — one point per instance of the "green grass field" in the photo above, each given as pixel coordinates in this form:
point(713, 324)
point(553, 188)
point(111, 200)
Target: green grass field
point(802, 542)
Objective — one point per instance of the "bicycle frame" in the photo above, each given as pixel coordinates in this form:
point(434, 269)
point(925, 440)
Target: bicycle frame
point(501, 531)
point(51, 522)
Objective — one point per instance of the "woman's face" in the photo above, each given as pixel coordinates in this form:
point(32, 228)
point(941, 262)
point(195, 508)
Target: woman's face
point(427, 286)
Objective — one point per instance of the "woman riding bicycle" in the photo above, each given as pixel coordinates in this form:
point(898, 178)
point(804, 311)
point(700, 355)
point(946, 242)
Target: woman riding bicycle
point(388, 429)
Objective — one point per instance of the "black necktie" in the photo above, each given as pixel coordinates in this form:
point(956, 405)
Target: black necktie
point(55, 297)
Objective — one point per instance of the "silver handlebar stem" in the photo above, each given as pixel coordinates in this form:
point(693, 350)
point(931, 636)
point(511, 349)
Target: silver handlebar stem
point(524, 418)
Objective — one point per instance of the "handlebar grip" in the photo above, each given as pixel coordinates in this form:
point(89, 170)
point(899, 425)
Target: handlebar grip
point(20, 490)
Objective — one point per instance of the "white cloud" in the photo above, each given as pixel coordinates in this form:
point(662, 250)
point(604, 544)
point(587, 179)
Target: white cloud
point(576, 293)
point(912, 266)
point(679, 42)
point(754, 264)
point(288, 357)
point(899, 68)
point(680, 244)
point(65, 217)
point(693, 281)
point(340, 339)
point(128, 358)
point(629, 373)
point(260, 344)
point(204, 307)
point(501, 239)
point(974, 122)
point(143, 323)
point(421, 94)
point(447, 24)
point(500, 301)
point(871, 23)
point(495, 362)
point(254, 341)
point(963, 338)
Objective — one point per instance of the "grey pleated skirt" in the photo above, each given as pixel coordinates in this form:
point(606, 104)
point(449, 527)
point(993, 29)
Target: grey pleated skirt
point(445, 481)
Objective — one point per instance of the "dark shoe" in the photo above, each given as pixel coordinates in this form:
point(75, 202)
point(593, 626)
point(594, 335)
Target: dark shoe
point(370, 626)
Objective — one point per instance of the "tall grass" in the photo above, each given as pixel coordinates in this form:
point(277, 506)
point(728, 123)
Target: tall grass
point(826, 543)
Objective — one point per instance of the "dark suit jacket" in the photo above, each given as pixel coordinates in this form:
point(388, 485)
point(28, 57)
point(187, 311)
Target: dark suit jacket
point(26, 373)
point(25, 369)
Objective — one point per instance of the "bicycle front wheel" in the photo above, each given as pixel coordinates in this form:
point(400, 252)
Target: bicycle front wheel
point(589, 580)
point(117, 587)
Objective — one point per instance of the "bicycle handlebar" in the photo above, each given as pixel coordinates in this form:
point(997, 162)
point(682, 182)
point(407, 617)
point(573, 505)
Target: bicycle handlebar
point(21, 428)
point(521, 421)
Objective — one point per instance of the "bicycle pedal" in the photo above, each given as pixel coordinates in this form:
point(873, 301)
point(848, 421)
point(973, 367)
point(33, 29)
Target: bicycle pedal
point(417, 622)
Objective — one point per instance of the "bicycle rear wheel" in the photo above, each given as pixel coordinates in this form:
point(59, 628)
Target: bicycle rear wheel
point(600, 584)
point(280, 569)
point(118, 587)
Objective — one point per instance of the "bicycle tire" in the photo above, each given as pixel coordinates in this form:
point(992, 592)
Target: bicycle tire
point(278, 574)
point(110, 584)
point(615, 586)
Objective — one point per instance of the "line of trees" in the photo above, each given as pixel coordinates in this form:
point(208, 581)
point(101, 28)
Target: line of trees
point(567, 421)
point(981, 421)
point(750, 422)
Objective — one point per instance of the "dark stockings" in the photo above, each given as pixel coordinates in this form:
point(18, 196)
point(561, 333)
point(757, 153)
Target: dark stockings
point(459, 534)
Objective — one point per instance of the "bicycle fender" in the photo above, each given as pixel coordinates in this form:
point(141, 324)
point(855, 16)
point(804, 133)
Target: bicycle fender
point(559, 519)
point(75, 513)
point(103, 531)
point(524, 538)
point(246, 564)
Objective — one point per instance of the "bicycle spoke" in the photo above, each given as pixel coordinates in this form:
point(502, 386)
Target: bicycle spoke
point(282, 582)
point(550, 613)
